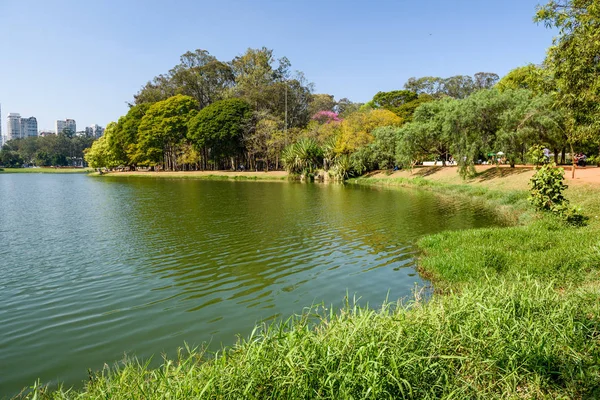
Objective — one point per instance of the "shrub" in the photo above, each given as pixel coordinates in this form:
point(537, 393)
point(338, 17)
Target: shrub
point(546, 194)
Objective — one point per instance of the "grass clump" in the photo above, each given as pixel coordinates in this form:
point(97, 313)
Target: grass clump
point(548, 249)
point(505, 340)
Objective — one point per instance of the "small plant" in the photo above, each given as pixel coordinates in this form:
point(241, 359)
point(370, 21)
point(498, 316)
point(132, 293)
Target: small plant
point(342, 168)
point(546, 194)
point(302, 157)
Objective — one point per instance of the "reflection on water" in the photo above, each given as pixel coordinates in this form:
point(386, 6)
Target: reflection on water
point(93, 268)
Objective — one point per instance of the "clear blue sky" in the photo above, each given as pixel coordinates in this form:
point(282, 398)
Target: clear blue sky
point(85, 59)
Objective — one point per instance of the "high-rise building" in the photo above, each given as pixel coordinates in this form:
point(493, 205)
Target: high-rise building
point(20, 128)
point(95, 131)
point(29, 127)
point(63, 124)
point(13, 126)
point(1, 135)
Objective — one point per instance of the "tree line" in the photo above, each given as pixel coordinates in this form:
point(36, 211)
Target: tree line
point(254, 113)
point(61, 150)
point(207, 114)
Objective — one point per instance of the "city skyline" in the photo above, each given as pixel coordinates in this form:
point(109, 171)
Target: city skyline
point(20, 127)
point(348, 49)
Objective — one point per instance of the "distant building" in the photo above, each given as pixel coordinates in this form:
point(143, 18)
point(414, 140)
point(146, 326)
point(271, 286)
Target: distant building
point(47, 133)
point(63, 124)
point(1, 135)
point(29, 127)
point(95, 131)
point(13, 126)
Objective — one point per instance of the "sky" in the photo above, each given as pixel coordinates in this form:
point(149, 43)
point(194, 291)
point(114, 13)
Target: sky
point(85, 59)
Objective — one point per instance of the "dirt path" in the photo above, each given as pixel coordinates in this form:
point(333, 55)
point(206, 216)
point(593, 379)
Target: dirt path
point(502, 177)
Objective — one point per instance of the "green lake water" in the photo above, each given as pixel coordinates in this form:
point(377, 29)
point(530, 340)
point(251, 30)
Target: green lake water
point(93, 268)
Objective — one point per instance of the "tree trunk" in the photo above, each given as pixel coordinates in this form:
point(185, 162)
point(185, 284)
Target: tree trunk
point(563, 156)
point(572, 161)
point(556, 156)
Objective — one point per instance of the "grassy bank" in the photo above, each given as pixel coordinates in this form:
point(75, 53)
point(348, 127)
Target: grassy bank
point(203, 175)
point(46, 170)
point(501, 341)
point(518, 317)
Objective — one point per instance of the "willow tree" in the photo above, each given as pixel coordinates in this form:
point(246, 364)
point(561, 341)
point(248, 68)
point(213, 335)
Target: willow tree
point(430, 134)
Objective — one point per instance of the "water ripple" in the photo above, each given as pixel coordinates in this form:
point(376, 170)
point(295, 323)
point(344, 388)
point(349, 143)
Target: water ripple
point(103, 267)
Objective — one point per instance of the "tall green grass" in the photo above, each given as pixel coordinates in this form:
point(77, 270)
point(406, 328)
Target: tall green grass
point(512, 205)
point(546, 249)
point(505, 340)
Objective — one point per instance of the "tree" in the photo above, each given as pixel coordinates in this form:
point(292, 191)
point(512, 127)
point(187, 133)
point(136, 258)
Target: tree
point(163, 129)
point(11, 159)
point(356, 130)
point(123, 138)
point(573, 60)
point(530, 120)
point(383, 148)
point(321, 102)
point(430, 85)
point(265, 140)
point(99, 155)
point(485, 80)
point(217, 130)
point(267, 85)
point(160, 88)
point(530, 77)
point(458, 87)
point(201, 76)
point(407, 110)
point(430, 134)
point(392, 100)
point(346, 107)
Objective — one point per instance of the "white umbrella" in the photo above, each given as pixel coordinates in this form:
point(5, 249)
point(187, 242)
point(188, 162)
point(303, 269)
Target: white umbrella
point(500, 153)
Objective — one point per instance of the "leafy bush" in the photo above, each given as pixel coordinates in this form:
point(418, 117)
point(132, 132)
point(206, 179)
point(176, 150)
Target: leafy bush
point(342, 168)
point(546, 194)
point(302, 157)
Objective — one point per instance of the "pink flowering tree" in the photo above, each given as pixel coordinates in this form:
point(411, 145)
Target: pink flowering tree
point(325, 117)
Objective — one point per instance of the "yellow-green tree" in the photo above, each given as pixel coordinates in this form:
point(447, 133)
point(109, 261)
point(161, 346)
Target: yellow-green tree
point(356, 130)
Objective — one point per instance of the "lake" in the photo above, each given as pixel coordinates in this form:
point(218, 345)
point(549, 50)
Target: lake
point(93, 268)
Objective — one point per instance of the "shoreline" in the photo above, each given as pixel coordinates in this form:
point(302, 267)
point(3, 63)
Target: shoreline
point(486, 175)
point(202, 175)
